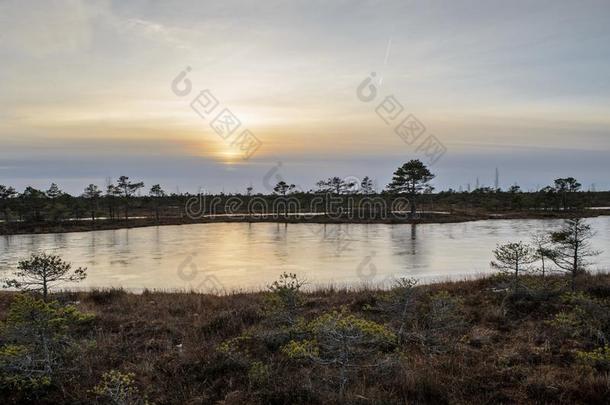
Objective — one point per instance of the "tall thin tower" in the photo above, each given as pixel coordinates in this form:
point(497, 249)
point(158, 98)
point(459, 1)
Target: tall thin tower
point(497, 182)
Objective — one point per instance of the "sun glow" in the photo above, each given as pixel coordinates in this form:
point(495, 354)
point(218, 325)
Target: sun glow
point(229, 156)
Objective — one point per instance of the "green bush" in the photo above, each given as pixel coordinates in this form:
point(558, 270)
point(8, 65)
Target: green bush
point(19, 372)
point(598, 358)
point(38, 342)
point(583, 317)
point(285, 298)
point(236, 348)
point(118, 389)
point(341, 340)
point(304, 349)
point(339, 324)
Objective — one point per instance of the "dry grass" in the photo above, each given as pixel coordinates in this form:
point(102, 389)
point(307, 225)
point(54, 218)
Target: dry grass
point(506, 353)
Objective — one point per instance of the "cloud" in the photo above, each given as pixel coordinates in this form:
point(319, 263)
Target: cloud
point(43, 28)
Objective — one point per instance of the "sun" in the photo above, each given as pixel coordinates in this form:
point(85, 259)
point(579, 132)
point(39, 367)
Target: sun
point(229, 156)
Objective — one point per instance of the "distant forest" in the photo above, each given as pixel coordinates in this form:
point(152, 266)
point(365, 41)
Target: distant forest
point(127, 199)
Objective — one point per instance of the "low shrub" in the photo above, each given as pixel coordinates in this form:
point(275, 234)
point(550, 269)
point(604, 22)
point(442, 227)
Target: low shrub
point(38, 343)
point(118, 388)
point(598, 358)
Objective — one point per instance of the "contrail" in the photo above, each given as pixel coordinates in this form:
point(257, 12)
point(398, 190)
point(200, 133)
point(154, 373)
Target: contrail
point(385, 60)
point(387, 52)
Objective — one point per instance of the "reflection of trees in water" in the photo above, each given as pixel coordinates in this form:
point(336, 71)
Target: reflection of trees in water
point(6, 253)
point(450, 233)
point(6, 242)
point(337, 239)
point(409, 248)
point(92, 249)
point(59, 240)
point(157, 247)
point(280, 241)
point(33, 242)
point(280, 232)
point(112, 237)
point(372, 231)
point(122, 255)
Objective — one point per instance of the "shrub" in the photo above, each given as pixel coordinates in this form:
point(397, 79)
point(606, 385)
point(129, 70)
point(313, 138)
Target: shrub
point(119, 389)
point(241, 350)
point(38, 340)
point(18, 372)
point(598, 358)
point(442, 322)
point(285, 298)
point(233, 348)
point(585, 318)
point(305, 349)
point(342, 340)
point(340, 326)
point(404, 301)
point(400, 303)
point(535, 295)
point(259, 373)
point(105, 296)
point(570, 322)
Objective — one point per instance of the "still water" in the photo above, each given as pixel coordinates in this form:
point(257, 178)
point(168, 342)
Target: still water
point(241, 256)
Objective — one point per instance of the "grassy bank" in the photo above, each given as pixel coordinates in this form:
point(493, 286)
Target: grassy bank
point(457, 342)
point(456, 216)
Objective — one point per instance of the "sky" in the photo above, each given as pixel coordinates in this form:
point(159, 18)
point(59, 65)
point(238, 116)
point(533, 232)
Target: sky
point(92, 90)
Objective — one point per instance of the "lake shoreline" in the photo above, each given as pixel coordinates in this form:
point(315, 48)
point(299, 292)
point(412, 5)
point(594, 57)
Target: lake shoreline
point(34, 228)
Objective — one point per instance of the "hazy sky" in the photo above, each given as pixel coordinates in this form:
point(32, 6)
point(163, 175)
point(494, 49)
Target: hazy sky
point(85, 90)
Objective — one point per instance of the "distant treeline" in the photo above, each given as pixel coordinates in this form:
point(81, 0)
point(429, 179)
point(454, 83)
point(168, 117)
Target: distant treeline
point(410, 186)
point(124, 200)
